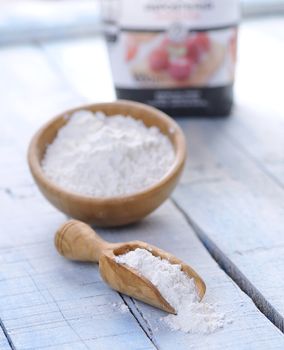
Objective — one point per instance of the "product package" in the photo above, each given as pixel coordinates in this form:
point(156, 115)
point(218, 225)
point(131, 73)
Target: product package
point(176, 55)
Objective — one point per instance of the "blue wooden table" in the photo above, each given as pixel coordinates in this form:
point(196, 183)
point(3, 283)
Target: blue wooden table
point(226, 218)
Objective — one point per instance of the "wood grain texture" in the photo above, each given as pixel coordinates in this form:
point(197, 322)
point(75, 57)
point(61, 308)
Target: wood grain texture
point(236, 168)
point(55, 310)
point(116, 210)
point(243, 214)
point(46, 301)
point(238, 209)
point(4, 344)
point(255, 136)
point(77, 241)
point(49, 303)
point(166, 228)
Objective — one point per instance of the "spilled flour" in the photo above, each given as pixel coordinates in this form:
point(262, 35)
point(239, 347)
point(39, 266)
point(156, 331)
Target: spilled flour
point(101, 156)
point(121, 307)
point(178, 289)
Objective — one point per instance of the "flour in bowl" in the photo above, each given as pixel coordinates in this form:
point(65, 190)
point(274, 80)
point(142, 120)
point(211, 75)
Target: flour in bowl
point(104, 156)
point(179, 291)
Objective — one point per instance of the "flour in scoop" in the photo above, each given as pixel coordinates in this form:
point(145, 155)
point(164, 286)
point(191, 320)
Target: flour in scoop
point(104, 156)
point(178, 289)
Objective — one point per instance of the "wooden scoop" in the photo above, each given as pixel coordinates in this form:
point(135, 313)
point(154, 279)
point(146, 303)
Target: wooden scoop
point(77, 241)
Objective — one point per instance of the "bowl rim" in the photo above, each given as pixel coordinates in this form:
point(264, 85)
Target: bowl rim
point(179, 161)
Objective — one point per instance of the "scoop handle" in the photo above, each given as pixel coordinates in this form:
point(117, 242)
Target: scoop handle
point(76, 240)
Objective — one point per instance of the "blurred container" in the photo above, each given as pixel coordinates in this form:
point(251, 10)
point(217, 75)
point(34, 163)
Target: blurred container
point(176, 55)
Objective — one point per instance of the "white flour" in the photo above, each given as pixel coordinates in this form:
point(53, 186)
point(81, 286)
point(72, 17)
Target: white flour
point(100, 156)
point(121, 307)
point(178, 289)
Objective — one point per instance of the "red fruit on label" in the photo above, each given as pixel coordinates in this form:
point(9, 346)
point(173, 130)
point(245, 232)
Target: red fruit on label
point(131, 52)
point(202, 41)
point(192, 50)
point(165, 42)
point(159, 59)
point(180, 68)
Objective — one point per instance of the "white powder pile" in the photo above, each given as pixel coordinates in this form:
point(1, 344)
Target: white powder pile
point(178, 289)
point(103, 157)
point(121, 307)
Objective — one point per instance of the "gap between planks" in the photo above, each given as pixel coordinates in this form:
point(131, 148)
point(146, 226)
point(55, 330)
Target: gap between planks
point(8, 338)
point(138, 315)
point(211, 250)
point(234, 273)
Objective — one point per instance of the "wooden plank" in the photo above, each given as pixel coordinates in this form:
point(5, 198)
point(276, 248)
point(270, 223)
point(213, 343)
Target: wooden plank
point(19, 107)
point(85, 65)
point(257, 124)
point(236, 167)
point(47, 302)
point(239, 212)
point(228, 159)
point(256, 131)
point(4, 345)
point(168, 229)
point(44, 301)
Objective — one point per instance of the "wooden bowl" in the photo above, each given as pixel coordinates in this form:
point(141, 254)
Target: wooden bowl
point(111, 211)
